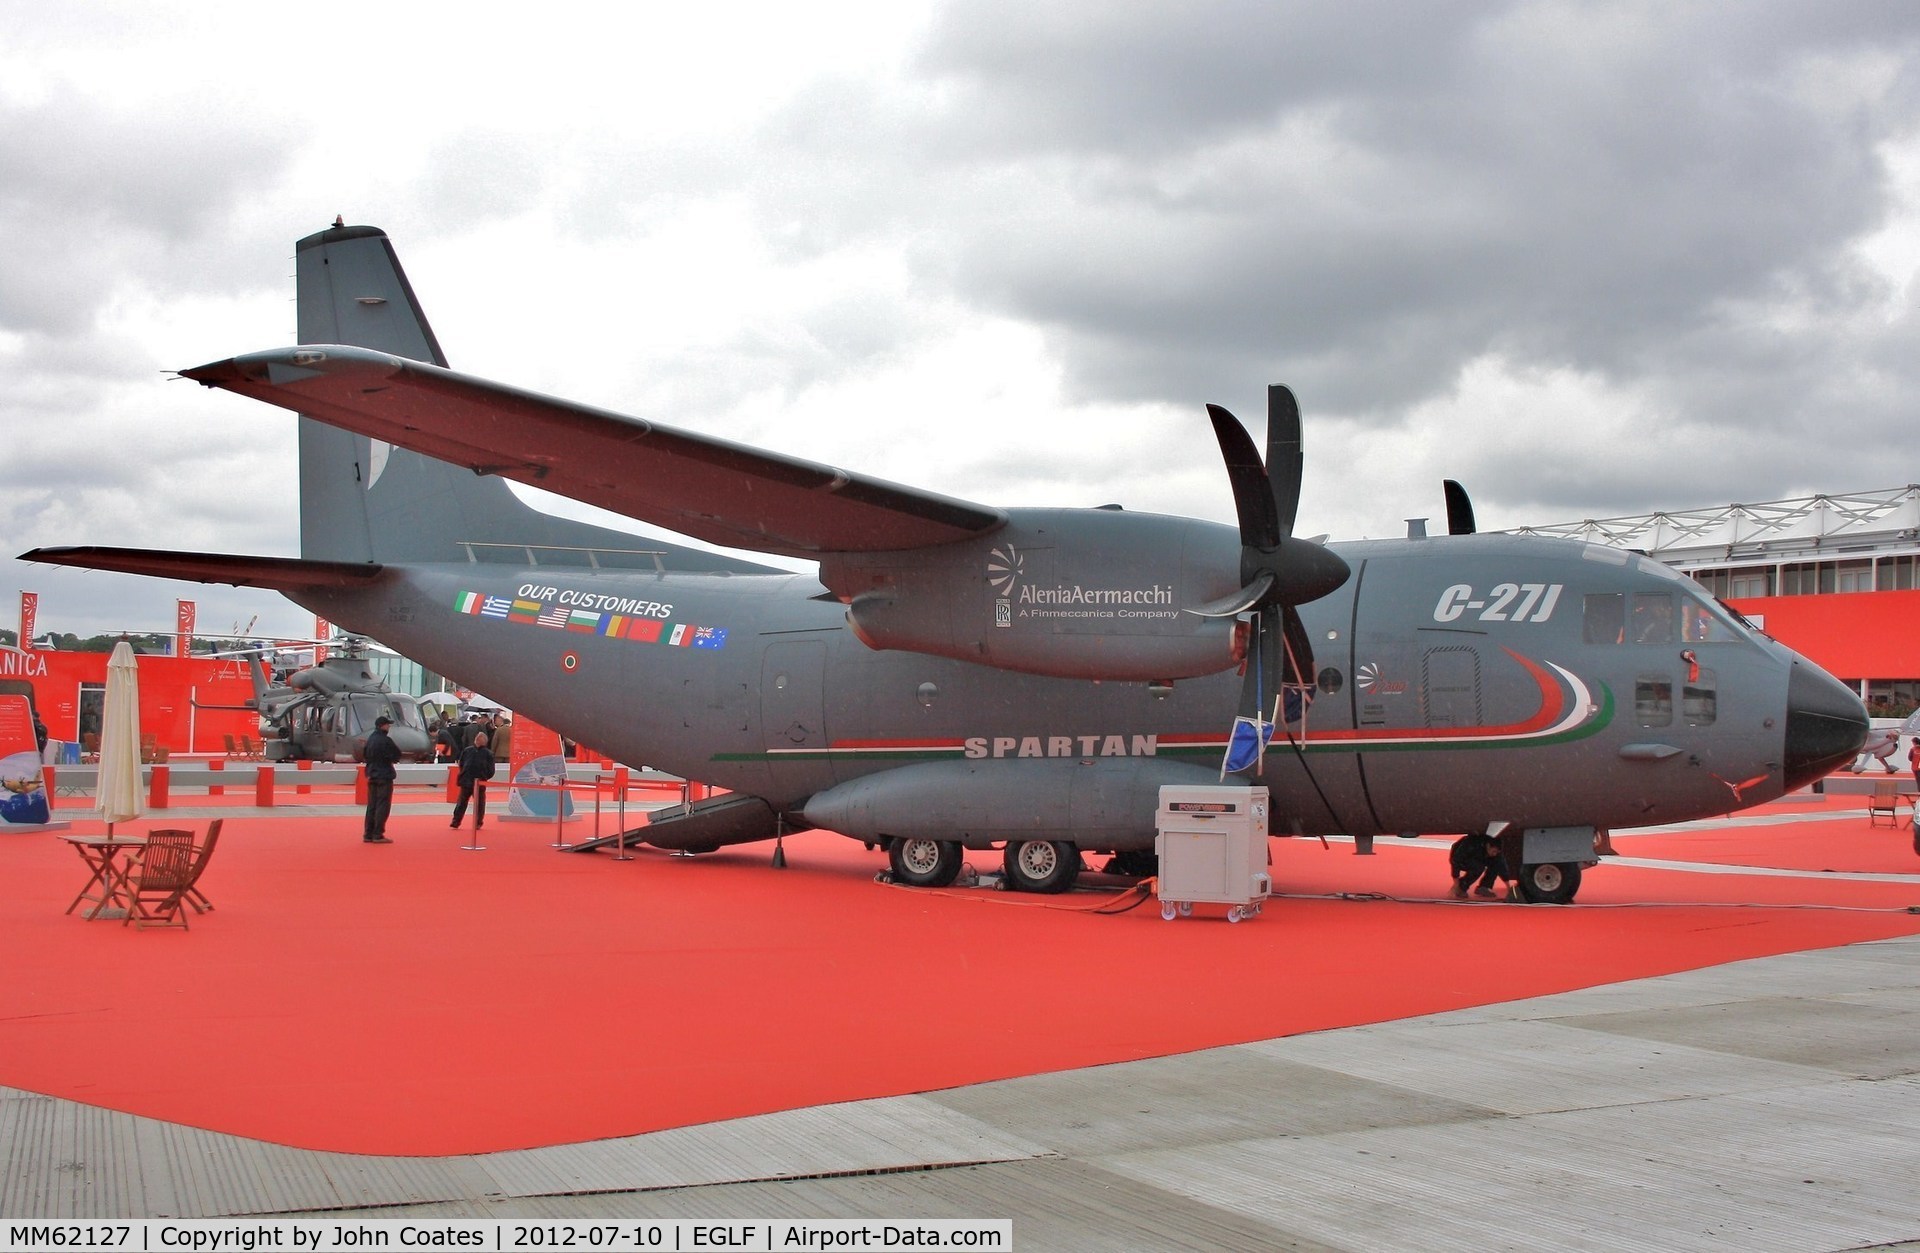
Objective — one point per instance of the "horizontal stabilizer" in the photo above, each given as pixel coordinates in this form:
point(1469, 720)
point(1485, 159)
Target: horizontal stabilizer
point(283, 574)
point(712, 489)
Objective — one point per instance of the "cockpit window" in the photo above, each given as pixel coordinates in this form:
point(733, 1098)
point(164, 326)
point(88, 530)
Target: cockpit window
point(1710, 622)
point(365, 710)
point(1658, 618)
point(1652, 618)
point(1604, 618)
point(369, 706)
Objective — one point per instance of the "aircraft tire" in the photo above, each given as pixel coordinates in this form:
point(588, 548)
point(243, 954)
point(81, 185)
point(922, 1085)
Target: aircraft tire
point(1549, 882)
point(924, 863)
point(1047, 866)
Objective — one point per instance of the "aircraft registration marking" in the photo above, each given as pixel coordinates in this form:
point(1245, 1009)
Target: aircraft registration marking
point(565, 617)
point(1506, 602)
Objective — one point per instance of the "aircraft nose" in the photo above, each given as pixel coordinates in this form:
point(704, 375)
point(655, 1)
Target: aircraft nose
point(1826, 725)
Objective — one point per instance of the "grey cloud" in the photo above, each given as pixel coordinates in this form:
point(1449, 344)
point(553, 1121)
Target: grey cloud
point(118, 197)
point(1145, 79)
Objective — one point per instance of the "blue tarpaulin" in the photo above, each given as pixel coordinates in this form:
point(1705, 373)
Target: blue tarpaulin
point(1249, 736)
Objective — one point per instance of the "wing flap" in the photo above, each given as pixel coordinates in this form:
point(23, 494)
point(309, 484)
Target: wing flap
point(281, 574)
point(711, 489)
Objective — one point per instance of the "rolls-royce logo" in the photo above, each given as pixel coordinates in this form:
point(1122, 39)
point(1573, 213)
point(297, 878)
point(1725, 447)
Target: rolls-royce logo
point(1004, 568)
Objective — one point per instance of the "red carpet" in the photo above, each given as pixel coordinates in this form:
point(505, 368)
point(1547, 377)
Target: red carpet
point(418, 999)
point(1845, 841)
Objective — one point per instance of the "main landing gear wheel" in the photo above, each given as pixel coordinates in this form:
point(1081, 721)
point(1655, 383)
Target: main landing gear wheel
point(924, 863)
point(1550, 882)
point(1042, 865)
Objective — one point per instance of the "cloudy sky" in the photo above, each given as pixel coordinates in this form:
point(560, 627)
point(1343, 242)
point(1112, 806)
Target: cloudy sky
point(1591, 259)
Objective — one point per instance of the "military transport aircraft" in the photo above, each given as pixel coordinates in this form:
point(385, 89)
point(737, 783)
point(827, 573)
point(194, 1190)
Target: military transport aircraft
point(959, 676)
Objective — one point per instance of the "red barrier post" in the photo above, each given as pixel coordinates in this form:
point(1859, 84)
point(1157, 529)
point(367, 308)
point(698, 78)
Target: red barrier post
point(620, 782)
point(303, 789)
point(157, 787)
point(360, 785)
point(263, 786)
point(220, 764)
point(453, 784)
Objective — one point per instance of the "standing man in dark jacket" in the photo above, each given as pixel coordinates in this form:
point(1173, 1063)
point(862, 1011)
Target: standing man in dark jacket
point(476, 764)
point(381, 754)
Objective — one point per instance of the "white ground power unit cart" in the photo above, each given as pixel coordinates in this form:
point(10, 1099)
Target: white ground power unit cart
point(1212, 844)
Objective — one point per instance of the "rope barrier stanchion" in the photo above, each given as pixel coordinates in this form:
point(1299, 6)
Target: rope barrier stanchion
point(560, 814)
point(473, 844)
point(620, 780)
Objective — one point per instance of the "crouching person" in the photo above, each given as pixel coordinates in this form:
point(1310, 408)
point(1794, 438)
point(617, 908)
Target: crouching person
point(1475, 859)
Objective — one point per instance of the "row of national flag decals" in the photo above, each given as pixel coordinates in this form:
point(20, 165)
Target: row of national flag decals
point(590, 622)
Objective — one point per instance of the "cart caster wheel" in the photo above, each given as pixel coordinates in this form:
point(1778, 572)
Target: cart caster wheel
point(1233, 913)
point(1186, 909)
point(1167, 911)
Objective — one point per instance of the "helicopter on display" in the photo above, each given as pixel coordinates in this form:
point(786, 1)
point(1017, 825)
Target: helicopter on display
point(324, 712)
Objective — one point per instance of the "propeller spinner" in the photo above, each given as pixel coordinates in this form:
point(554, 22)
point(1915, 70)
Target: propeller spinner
point(1277, 571)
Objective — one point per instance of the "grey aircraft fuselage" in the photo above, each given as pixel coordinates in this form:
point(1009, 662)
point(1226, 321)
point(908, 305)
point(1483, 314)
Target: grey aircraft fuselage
point(1459, 685)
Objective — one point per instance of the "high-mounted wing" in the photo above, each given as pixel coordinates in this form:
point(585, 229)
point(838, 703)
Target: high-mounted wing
point(711, 489)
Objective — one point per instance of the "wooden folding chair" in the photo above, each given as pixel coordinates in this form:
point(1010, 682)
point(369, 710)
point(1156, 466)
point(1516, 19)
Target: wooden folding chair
point(1886, 799)
point(202, 853)
point(158, 877)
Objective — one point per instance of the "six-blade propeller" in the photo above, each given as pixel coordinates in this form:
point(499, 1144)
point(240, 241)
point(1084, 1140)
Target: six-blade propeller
point(1277, 570)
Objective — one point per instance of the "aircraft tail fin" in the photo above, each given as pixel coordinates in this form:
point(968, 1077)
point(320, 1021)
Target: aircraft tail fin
point(362, 500)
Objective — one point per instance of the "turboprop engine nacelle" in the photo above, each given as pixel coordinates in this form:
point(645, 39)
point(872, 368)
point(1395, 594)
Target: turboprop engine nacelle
point(1072, 593)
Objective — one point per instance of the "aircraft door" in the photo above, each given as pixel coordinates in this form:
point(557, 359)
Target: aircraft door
point(793, 719)
point(1450, 686)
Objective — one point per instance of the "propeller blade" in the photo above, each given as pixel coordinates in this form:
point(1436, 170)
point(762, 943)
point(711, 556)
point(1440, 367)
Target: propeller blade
point(1300, 645)
point(1252, 495)
point(1238, 601)
point(1302, 570)
point(1282, 652)
point(1459, 509)
point(1286, 454)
